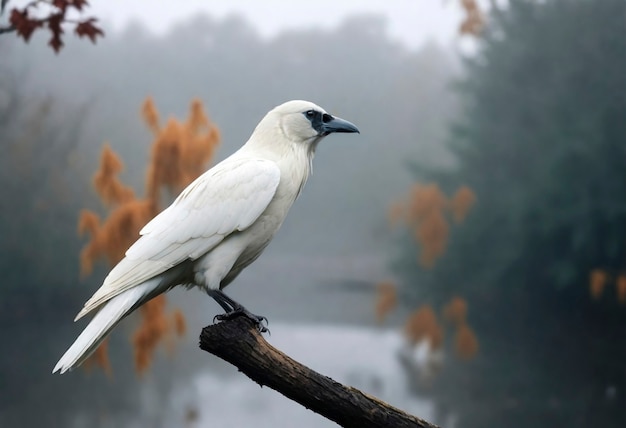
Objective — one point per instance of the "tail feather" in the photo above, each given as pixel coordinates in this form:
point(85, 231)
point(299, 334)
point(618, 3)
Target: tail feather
point(110, 314)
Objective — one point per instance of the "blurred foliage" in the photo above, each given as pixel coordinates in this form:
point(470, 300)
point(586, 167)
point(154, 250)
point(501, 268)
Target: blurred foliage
point(465, 342)
point(180, 152)
point(620, 286)
point(474, 19)
point(600, 280)
point(110, 239)
point(541, 142)
point(422, 324)
point(597, 282)
point(100, 359)
point(386, 300)
point(455, 311)
point(425, 212)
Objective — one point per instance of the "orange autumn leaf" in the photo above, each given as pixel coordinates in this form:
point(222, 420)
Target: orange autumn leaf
point(597, 281)
point(100, 358)
point(432, 234)
point(150, 333)
point(474, 20)
point(111, 239)
point(620, 285)
point(461, 202)
point(422, 324)
point(109, 187)
point(180, 325)
point(465, 342)
point(150, 115)
point(386, 300)
point(180, 151)
point(455, 311)
point(423, 201)
point(425, 212)
point(88, 222)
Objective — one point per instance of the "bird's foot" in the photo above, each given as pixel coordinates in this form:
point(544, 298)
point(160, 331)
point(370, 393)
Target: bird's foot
point(259, 320)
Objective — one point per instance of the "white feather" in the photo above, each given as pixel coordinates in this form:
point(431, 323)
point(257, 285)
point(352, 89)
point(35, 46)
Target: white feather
point(227, 198)
point(102, 323)
point(217, 226)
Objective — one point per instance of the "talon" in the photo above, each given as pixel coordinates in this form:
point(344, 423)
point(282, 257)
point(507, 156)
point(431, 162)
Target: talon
point(258, 320)
point(262, 323)
point(234, 309)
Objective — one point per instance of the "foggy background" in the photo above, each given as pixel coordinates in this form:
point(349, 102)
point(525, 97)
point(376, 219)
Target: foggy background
point(528, 114)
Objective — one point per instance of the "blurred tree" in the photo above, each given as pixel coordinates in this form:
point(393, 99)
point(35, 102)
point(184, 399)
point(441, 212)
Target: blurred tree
point(42, 176)
point(425, 212)
point(542, 143)
point(37, 177)
point(180, 152)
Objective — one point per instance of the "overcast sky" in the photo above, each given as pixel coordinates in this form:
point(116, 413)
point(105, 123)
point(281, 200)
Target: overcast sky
point(411, 21)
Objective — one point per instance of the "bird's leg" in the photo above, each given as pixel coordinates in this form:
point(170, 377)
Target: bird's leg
point(223, 300)
point(234, 309)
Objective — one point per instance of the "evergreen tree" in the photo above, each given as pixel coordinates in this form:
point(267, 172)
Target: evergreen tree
point(542, 143)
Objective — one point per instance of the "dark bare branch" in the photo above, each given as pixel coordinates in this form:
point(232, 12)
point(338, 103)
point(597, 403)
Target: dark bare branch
point(3, 4)
point(239, 342)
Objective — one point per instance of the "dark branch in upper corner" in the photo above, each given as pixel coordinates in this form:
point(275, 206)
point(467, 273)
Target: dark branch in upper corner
point(239, 342)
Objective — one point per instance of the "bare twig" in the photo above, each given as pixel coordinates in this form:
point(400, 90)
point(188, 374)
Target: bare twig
point(3, 4)
point(239, 342)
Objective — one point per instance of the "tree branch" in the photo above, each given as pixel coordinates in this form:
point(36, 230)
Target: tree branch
point(239, 342)
point(9, 29)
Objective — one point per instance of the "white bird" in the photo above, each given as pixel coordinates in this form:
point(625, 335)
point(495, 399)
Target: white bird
point(216, 227)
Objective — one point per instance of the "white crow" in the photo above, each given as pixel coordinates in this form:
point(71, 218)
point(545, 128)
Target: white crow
point(216, 227)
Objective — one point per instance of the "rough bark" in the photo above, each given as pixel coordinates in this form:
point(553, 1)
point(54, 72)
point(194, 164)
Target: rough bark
point(239, 342)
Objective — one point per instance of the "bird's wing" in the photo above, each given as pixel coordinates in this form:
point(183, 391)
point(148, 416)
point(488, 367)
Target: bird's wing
point(227, 198)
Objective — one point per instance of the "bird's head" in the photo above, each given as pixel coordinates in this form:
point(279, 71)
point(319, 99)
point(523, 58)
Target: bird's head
point(303, 121)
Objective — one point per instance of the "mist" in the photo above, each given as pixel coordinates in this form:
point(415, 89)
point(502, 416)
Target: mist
point(461, 258)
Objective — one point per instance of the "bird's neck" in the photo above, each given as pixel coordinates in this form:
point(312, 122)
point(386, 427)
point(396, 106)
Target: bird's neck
point(295, 159)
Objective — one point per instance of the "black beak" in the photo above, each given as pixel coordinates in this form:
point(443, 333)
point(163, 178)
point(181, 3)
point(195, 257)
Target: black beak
point(332, 124)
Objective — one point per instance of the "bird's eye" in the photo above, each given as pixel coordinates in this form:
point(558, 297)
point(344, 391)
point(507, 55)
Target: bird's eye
point(310, 113)
point(326, 118)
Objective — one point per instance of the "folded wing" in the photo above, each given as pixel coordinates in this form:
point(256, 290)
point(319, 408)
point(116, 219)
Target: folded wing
point(227, 198)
